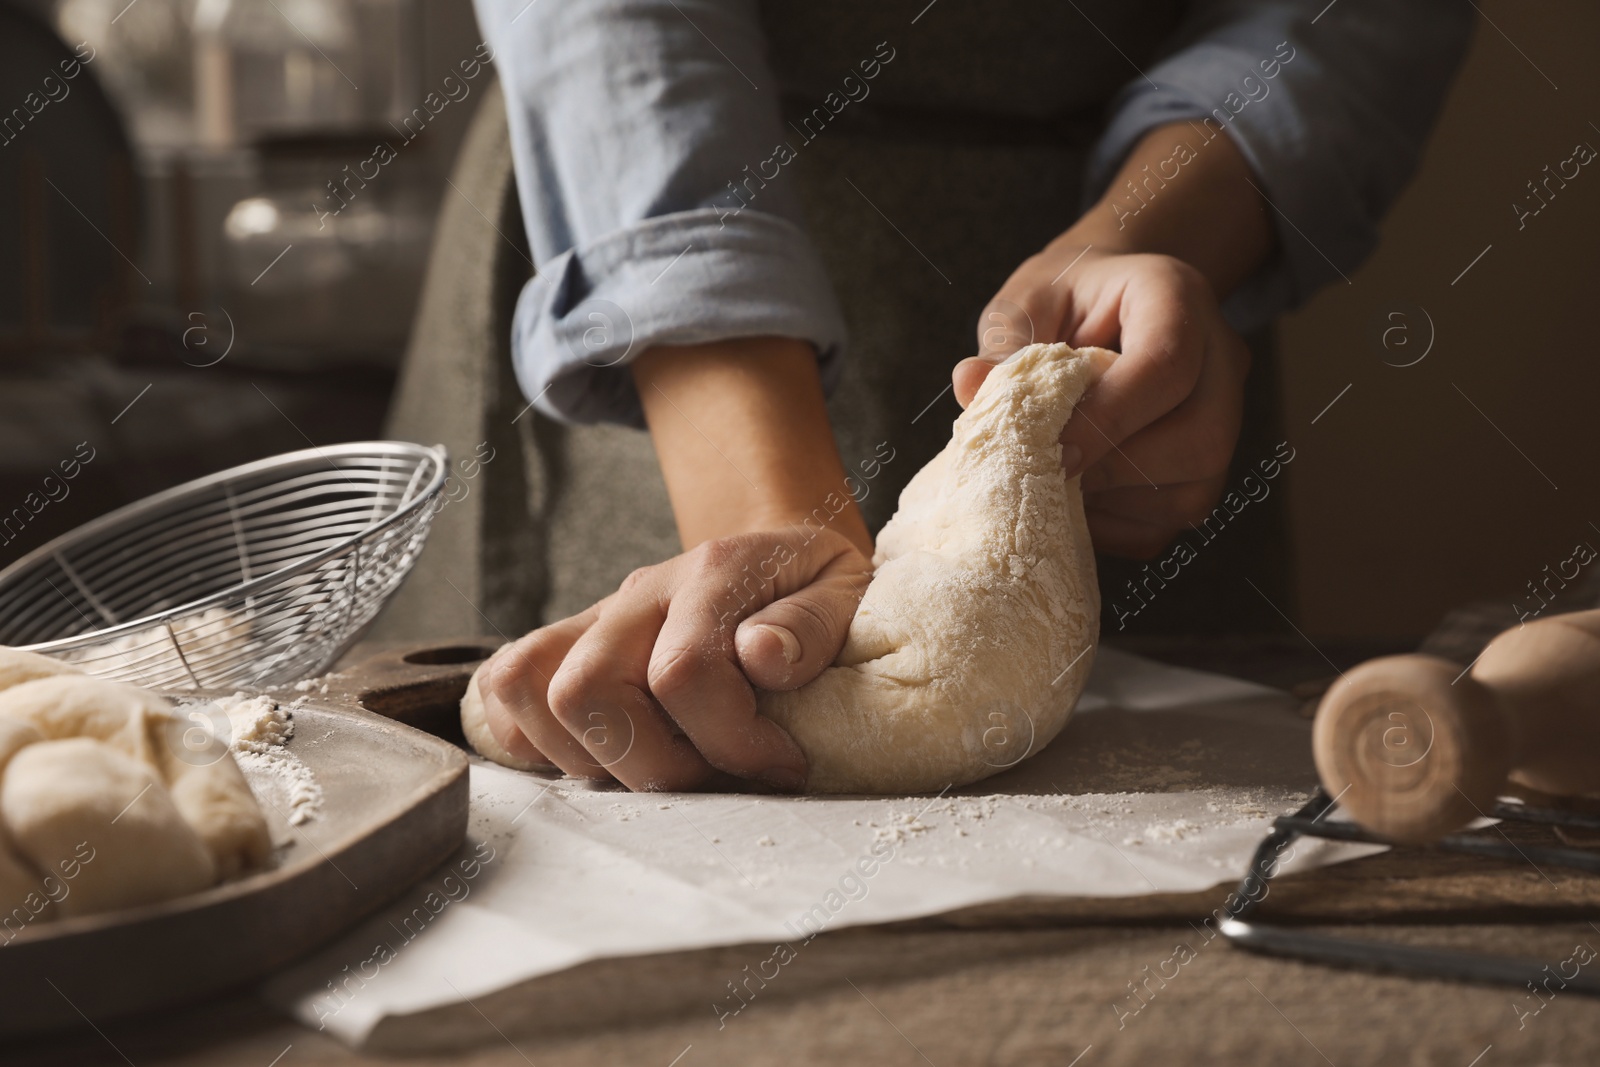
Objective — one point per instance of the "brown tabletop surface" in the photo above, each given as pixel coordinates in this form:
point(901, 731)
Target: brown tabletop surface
point(1046, 984)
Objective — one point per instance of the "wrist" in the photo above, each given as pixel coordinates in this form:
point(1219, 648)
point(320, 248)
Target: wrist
point(742, 434)
point(1180, 194)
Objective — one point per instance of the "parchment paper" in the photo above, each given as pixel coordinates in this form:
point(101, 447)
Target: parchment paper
point(1164, 781)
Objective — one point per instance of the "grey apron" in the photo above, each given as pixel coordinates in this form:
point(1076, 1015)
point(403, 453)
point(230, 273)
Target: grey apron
point(966, 159)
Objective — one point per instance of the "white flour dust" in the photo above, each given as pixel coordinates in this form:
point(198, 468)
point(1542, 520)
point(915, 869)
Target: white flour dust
point(259, 727)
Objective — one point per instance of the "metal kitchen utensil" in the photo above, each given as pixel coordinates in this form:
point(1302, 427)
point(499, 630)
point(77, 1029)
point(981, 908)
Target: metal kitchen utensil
point(255, 576)
point(1243, 929)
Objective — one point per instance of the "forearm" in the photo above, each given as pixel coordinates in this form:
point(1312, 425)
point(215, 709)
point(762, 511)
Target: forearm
point(742, 434)
point(1180, 195)
point(636, 138)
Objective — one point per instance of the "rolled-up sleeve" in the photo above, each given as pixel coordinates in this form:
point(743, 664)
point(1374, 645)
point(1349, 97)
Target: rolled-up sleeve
point(1329, 103)
point(650, 168)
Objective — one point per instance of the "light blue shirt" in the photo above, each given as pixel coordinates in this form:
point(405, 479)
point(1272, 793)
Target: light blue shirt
point(633, 121)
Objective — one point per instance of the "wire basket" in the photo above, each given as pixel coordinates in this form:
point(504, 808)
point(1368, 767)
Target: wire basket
point(256, 576)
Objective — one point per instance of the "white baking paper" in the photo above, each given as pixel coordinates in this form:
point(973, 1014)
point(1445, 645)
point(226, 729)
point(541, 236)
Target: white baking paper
point(1164, 781)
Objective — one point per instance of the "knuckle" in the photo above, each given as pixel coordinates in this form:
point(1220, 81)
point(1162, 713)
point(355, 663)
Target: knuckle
point(513, 672)
point(674, 671)
point(506, 679)
point(808, 620)
point(637, 579)
point(570, 690)
point(1186, 281)
point(717, 553)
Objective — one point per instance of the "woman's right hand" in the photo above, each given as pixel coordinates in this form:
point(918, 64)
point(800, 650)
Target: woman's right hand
point(653, 685)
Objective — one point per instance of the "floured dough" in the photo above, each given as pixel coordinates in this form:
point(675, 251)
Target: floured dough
point(973, 641)
point(14, 734)
point(117, 736)
point(216, 801)
point(204, 782)
point(58, 796)
point(75, 705)
point(17, 666)
point(18, 880)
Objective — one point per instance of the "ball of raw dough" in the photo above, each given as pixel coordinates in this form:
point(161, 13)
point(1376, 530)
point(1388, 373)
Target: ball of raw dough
point(195, 767)
point(974, 639)
point(14, 734)
point(59, 796)
point(21, 898)
point(77, 705)
point(216, 801)
point(17, 666)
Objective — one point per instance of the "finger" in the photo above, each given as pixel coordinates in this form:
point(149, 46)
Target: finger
point(1027, 309)
point(694, 669)
point(790, 641)
point(1162, 326)
point(516, 684)
point(1018, 315)
point(601, 693)
point(968, 376)
point(504, 729)
point(1194, 441)
point(1171, 506)
point(1115, 535)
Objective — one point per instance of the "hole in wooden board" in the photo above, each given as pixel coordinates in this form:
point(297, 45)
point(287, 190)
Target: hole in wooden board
point(433, 707)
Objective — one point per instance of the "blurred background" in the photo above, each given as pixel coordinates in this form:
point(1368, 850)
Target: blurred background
point(212, 250)
point(196, 219)
point(1463, 476)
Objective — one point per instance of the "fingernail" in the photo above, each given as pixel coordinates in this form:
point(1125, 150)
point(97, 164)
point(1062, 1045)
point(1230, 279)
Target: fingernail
point(790, 643)
point(785, 779)
point(1071, 459)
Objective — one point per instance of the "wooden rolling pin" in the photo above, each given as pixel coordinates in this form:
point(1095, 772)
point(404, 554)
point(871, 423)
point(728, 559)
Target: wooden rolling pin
point(1414, 748)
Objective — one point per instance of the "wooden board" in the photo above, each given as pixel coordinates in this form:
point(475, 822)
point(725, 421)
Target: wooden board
point(395, 807)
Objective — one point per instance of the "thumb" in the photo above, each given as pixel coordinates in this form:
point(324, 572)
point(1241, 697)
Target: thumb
point(968, 376)
point(790, 641)
point(1018, 316)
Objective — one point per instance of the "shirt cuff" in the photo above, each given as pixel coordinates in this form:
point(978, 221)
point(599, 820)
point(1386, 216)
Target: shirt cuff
point(691, 277)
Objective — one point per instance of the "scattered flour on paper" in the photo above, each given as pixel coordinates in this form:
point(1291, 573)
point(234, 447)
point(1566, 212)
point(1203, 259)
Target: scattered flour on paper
point(259, 727)
point(1107, 816)
point(1165, 833)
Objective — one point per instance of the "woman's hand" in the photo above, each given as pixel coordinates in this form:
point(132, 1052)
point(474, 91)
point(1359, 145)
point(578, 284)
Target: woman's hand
point(652, 685)
point(1154, 435)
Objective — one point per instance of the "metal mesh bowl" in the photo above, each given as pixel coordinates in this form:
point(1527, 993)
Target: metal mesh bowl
point(256, 576)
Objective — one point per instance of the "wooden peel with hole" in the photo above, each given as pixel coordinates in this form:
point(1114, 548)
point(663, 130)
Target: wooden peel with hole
point(1416, 748)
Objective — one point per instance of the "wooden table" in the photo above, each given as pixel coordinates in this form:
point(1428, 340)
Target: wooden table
point(1046, 985)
